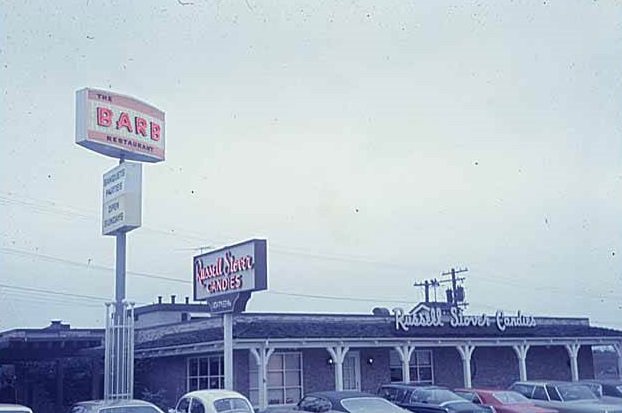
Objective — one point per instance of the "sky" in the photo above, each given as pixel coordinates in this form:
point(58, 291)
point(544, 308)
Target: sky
point(374, 145)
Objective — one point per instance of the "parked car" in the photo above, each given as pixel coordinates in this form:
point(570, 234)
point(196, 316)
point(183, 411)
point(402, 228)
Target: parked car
point(611, 388)
point(565, 397)
point(428, 399)
point(14, 408)
point(114, 406)
point(502, 401)
point(213, 401)
point(346, 401)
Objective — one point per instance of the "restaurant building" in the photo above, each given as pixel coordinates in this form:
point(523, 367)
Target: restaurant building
point(278, 357)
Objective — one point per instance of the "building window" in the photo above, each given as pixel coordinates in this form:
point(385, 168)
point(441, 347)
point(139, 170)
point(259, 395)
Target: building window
point(284, 378)
point(205, 373)
point(421, 367)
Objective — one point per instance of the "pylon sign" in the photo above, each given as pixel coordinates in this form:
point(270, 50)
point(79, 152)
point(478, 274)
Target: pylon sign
point(119, 126)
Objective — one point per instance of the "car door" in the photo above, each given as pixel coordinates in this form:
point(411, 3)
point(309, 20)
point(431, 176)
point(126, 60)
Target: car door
point(183, 405)
point(418, 405)
point(196, 406)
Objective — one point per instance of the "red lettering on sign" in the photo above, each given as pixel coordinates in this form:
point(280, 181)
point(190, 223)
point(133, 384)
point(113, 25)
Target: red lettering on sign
point(141, 126)
point(104, 117)
point(155, 131)
point(124, 122)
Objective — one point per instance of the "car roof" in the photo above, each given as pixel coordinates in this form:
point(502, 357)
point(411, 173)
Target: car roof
point(118, 402)
point(482, 390)
point(338, 395)
point(95, 404)
point(210, 395)
point(611, 382)
point(542, 382)
point(412, 385)
point(14, 407)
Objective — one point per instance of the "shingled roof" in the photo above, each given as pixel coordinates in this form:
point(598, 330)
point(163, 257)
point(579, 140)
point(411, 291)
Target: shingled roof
point(328, 326)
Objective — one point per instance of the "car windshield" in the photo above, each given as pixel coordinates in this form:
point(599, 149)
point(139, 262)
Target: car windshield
point(435, 396)
point(509, 397)
point(370, 405)
point(570, 392)
point(232, 404)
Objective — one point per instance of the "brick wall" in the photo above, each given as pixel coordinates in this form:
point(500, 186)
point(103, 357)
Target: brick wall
point(318, 374)
point(377, 373)
point(498, 366)
point(447, 367)
point(241, 373)
point(495, 367)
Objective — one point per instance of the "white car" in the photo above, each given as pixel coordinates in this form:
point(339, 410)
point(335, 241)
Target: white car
point(213, 401)
point(14, 408)
point(115, 406)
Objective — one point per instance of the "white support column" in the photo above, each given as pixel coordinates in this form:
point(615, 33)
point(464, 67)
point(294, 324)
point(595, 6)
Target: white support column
point(227, 321)
point(521, 352)
point(618, 348)
point(573, 352)
point(405, 351)
point(262, 357)
point(466, 351)
point(338, 354)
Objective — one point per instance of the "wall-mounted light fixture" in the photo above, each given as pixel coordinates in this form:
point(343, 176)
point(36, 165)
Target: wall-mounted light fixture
point(370, 360)
point(330, 361)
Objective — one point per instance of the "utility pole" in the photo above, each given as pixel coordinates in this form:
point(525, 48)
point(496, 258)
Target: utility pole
point(433, 282)
point(454, 283)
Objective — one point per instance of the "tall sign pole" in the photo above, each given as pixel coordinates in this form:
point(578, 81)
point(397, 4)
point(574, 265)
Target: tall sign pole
point(225, 279)
point(121, 127)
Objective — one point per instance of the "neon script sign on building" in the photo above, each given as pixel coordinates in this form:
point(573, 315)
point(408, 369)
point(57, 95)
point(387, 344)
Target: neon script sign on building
point(423, 316)
point(234, 269)
point(118, 125)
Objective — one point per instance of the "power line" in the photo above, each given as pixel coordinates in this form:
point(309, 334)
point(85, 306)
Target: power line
point(93, 266)
point(37, 290)
point(328, 297)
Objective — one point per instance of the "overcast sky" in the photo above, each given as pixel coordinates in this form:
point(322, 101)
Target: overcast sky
point(374, 144)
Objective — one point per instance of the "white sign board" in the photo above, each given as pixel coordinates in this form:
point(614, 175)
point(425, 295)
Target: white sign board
point(119, 126)
point(121, 199)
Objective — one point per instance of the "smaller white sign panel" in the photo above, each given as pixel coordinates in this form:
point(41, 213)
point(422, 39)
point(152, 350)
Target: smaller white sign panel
point(121, 199)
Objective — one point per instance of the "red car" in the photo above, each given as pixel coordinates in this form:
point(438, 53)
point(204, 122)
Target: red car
point(502, 401)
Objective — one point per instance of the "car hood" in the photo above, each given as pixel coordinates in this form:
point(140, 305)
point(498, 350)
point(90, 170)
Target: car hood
point(594, 406)
point(463, 407)
point(611, 400)
point(526, 408)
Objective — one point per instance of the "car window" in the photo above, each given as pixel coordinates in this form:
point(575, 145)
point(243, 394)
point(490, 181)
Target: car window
point(569, 392)
point(388, 393)
point(539, 393)
point(509, 397)
point(619, 388)
point(314, 404)
point(182, 406)
point(196, 406)
point(468, 395)
point(553, 393)
point(595, 387)
point(232, 404)
point(524, 389)
point(434, 396)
